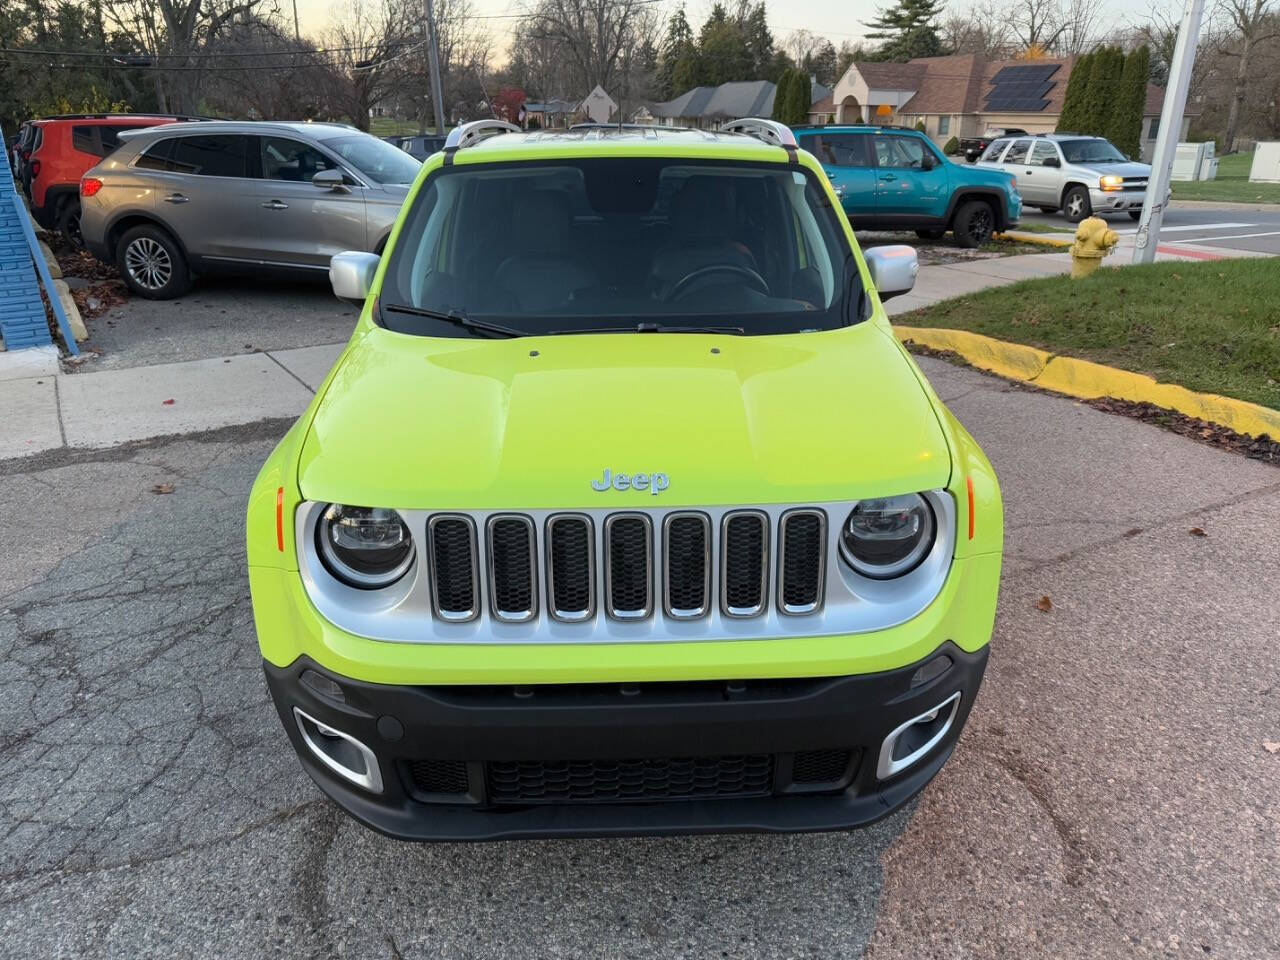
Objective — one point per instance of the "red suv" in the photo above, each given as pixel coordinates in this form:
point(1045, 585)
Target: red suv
point(65, 147)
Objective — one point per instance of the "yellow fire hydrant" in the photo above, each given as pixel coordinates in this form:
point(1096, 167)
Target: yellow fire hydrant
point(1093, 242)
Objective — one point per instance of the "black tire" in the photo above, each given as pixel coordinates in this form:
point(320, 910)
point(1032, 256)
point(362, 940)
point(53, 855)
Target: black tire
point(151, 263)
point(1135, 214)
point(974, 224)
point(68, 223)
point(1076, 204)
point(935, 233)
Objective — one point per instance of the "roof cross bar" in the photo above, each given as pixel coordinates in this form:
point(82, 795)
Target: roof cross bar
point(469, 134)
point(770, 131)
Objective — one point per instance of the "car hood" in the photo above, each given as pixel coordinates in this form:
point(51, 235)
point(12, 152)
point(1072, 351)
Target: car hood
point(1131, 169)
point(429, 423)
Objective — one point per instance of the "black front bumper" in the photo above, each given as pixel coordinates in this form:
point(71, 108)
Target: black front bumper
point(453, 760)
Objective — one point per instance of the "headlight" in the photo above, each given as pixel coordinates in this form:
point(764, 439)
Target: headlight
point(889, 537)
point(365, 547)
point(1111, 182)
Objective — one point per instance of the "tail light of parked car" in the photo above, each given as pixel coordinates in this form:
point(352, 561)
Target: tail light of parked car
point(89, 186)
point(35, 169)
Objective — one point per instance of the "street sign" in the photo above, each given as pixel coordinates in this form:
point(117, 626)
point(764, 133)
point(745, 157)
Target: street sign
point(599, 106)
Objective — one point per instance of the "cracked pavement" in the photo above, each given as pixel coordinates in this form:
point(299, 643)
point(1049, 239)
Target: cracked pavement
point(1111, 796)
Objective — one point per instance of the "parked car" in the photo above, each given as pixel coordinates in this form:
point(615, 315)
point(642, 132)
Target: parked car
point(176, 201)
point(419, 146)
point(973, 147)
point(28, 136)
point(623, 510)
point(895, 178)
point(1081, 176)
point(66, 148)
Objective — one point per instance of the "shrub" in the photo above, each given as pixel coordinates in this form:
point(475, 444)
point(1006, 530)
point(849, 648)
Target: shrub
point(952, 147)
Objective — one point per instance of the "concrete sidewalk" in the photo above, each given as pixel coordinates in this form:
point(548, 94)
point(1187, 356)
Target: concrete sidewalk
point(111, 407)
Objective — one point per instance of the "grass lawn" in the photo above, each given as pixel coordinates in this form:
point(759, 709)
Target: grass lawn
point(1231, 185)
point(1213, 327)
point(390, 127)
point(1064, 227)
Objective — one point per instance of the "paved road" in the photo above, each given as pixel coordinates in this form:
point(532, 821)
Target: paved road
point(1252, 230)
point(1112, 795)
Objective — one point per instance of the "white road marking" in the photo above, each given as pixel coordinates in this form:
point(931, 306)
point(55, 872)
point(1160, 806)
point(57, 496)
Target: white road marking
point(1197, 226)
point(1235, 236)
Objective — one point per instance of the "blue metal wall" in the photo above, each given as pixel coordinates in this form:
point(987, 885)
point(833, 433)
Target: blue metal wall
point(22, 319)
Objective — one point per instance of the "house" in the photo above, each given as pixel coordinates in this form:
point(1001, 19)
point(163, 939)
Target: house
point(551, 113)
point(964, 94)
point(710, 107)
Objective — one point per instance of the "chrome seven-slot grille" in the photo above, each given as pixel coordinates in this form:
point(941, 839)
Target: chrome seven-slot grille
point(555, 569)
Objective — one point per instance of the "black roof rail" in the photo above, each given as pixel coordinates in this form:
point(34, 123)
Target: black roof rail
point(123, 116)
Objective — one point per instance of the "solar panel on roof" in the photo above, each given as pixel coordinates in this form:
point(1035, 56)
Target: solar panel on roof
point(1041, 72)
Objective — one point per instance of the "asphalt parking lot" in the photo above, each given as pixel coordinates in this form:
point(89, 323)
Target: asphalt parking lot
point(1116, 792)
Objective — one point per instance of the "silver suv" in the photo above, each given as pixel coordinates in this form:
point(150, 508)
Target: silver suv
point(1080, 176)
point(175, 201)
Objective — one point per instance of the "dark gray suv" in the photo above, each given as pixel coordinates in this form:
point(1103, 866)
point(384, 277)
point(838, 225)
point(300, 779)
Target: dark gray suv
point(176, 201)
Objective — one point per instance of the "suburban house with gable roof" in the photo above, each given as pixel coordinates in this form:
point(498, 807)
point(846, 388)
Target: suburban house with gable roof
point(964, 94)
point(709, 107)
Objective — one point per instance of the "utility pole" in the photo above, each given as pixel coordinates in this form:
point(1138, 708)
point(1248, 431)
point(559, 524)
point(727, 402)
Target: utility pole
point(433, 57)
point(297, 34)
point(1175, 102)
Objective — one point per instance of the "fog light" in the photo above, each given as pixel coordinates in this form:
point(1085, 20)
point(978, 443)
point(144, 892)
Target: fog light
point(910, 742)
point(340, 752)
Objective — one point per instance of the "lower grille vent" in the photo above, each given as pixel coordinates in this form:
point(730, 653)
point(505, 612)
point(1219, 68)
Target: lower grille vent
point(439, 776)
point(628, 781)
point(812, 767)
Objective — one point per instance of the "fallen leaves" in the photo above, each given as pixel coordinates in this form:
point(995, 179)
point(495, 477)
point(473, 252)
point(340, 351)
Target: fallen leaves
point(1197, 532)
point(1044, 604)
point(1271, 746)
point(168, 403)
point(162, 488)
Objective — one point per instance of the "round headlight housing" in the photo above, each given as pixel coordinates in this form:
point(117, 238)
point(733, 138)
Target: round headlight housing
point(888, 537)
point(365, 547)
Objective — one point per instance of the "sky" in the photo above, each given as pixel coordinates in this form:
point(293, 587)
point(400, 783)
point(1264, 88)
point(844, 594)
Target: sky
point(837, 20)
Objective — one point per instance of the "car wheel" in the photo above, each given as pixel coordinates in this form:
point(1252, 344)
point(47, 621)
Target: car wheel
point(932, 234)
point(69, 224)
point(1076, 205)
point(974, 224)
point(1135, 214)
point(151, 264)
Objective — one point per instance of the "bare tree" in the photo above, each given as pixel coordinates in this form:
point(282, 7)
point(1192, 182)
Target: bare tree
point(179, 33)
point(983, 29)
point(262, 70)
point(1079, 20)
point(1252, 24)
point(367, 48)
point(465, 52)
point(595, 35)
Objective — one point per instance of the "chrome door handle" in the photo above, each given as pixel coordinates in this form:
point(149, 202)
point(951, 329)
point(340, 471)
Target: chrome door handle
point(176, 198)
point(276, 205)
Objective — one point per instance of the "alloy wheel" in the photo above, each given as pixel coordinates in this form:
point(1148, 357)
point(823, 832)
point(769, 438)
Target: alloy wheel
point(980, 226)
point(148, 263)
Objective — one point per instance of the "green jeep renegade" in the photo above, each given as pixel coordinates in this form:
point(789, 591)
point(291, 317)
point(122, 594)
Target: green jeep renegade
point(623, 511)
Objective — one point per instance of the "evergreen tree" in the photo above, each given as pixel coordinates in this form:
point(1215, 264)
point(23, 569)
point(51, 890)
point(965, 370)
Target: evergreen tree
point(821, 63)
point(908, 30)
point(754, 23)
point(677, 42)
point(801, 97)
point(1073, 102)
point(1101, 94)
point(723, 54)
point(782, 95)
point(1125, 128)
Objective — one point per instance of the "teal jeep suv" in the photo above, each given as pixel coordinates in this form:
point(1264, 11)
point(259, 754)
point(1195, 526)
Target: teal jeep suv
point(891, 178)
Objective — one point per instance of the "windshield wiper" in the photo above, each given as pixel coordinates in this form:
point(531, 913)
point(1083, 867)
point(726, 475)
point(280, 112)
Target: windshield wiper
point(647, 327)
point(457, 318)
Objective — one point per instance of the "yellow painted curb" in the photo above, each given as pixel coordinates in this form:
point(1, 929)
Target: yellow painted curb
point(1011, 360)
point(1044, 240)
point(1088, 380)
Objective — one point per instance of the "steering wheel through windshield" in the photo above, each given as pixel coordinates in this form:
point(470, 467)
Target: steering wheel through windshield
point(686, 283)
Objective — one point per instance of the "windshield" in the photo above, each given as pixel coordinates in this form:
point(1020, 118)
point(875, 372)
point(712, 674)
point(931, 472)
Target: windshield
point(1090, 151)
point(619, 244)
point(376, 159)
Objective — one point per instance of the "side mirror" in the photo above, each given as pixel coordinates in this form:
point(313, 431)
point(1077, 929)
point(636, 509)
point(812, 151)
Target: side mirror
point(329, 180)
point(351, 275)
point(893, 269)
point(928, 161)
point(1052, 162)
